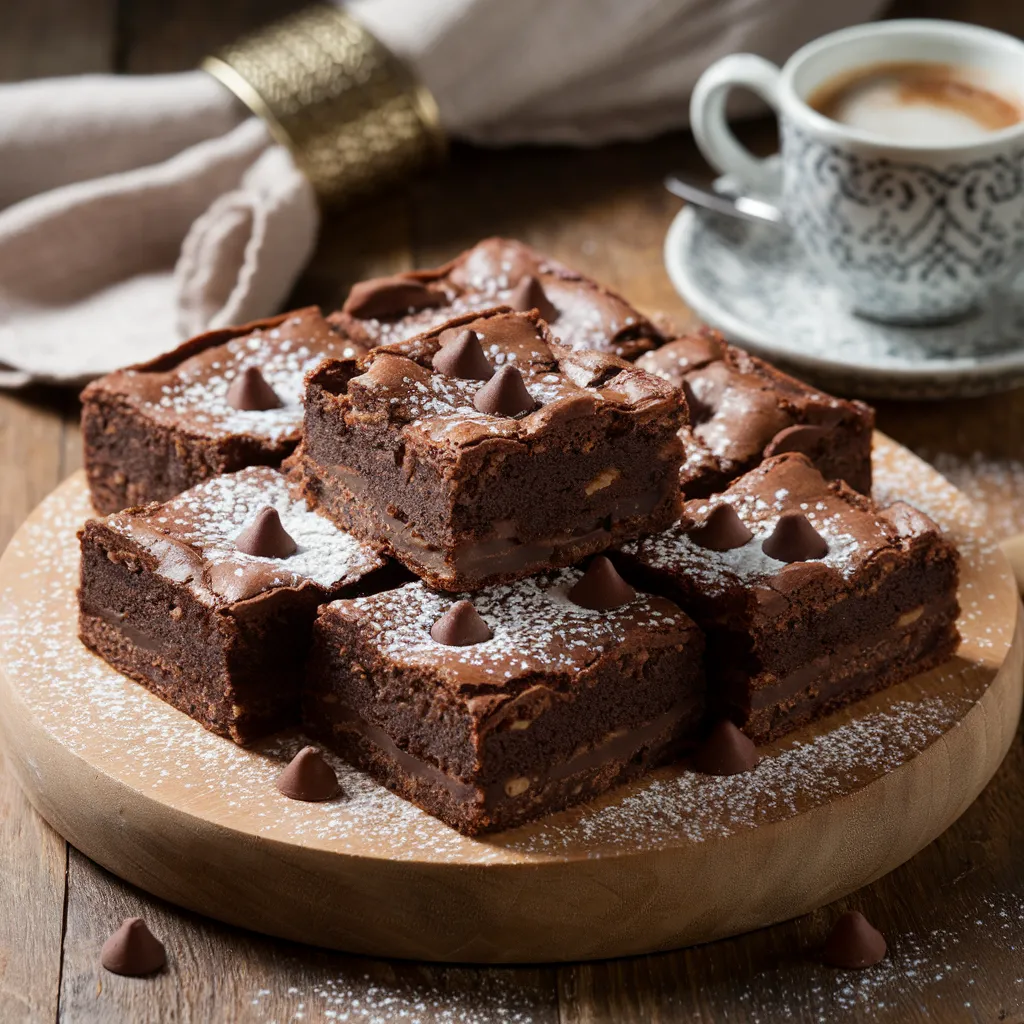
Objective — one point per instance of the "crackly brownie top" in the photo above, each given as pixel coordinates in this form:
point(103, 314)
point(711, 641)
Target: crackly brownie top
point(536, 631)
point(582, 314)
point(553, 384)
point(781, 522)
point(195, 391)
point(739, 404)
point(193, 538)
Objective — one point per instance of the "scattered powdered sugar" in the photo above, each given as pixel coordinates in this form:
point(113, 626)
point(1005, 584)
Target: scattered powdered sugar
point(402, 996)
point(995, 487)
point(152, 748)
point(212, 514)
point(536, 628)
point(196, 391)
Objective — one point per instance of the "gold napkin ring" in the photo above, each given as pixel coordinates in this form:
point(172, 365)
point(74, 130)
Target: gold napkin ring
point(351, 113)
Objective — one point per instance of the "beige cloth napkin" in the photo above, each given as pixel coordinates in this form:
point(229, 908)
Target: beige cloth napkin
point(137, 211)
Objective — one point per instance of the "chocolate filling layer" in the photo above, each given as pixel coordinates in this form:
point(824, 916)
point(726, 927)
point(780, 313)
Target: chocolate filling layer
point(617, 747)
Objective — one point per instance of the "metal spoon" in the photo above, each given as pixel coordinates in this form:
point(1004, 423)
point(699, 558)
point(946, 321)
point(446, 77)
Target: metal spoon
point(743, 207)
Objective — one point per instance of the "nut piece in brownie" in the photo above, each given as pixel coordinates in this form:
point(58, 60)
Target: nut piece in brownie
point(811, 596)
point(219, 402)
point(208, 599)
point(497, 272)
point(520, 701)
point(483, 451)
point(743, 410)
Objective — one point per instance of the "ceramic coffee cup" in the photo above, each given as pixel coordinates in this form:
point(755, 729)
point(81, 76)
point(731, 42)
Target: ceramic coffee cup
point(908, 232)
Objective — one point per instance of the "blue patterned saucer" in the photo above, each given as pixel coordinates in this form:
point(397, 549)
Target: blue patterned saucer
point(754, 283)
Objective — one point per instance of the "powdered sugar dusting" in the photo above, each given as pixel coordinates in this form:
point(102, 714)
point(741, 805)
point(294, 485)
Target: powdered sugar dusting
point(196, 391)
point(117, 724)
point(210, 516)
point(535, 627)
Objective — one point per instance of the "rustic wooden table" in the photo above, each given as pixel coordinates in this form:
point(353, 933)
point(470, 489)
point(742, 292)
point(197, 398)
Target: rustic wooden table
point(954, 915)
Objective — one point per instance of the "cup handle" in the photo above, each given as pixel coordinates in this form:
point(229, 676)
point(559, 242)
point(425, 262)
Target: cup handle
point(707, 119)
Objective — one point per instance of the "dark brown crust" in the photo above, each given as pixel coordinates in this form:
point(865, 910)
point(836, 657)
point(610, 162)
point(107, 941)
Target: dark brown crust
point(841, 452)
point(455, 754)
point(131, 460)
point(629, 342)
point(792, 648)
point(434, 506)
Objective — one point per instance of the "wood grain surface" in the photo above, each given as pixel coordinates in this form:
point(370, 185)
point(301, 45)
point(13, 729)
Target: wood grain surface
point(954, 914)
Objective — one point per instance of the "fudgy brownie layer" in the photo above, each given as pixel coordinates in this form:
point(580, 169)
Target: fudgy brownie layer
point(743, 410)
point(472, 810)
point(796, 633)
point(152, 431)
point(582, 314)
point(399, 455)
point(167, 598)
point(556, 705)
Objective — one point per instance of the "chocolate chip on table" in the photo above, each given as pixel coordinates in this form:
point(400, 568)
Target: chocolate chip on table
point(460, 355)
point(133, 950)
point(265, 537)
point(601, 588)
point(854, 942)
point(460, 626)
point(529, 294)
point(308, 777)
point(384, 297)
point(504, 394)
point(794, 540)
point(723, 530)
point(249, 391)
point(726, 751)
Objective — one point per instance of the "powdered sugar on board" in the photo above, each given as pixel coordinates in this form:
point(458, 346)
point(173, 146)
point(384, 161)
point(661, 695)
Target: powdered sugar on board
point(161, 752)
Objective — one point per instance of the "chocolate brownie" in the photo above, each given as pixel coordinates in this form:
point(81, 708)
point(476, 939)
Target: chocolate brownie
point(743, 410)
point(483, 451)
point(531, 697)
point(208, 599)
point(497, 271)
point(811, 595)
point(217, 403)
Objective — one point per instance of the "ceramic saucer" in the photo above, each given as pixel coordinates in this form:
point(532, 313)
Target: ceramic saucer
point(754, 283)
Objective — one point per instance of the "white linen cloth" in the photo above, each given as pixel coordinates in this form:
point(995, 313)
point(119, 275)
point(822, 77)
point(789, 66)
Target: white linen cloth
point(135, 211)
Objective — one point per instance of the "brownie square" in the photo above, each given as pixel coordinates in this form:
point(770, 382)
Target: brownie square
point(169, 599)
point(580, 451)
point(497, 271)
point(811, 595)
point(743, 410)
point(153, 430)
point(553, 704)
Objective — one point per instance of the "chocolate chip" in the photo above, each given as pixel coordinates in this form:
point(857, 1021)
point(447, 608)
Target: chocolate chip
point(726, 751)
point(504, 394)
point(723, 530)
point(601, 588)
point(794, 540)
point(460, 355)
point(460, 626)
point(250, 391)
point(308, 777)
point(529, 294)
point(854, 942)
point(133, 950)
point(799, 438)
point(265, 537)
point(385, 297)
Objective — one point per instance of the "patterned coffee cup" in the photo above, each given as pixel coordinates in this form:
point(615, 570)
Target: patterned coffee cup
point(908, 232)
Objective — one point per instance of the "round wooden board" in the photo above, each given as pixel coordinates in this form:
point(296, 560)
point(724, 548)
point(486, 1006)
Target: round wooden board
point(674, 859)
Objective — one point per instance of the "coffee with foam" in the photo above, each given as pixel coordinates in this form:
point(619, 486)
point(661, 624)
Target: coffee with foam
point(917, 103)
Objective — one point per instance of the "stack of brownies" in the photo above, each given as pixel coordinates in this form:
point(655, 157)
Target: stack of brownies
point(490, 535)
